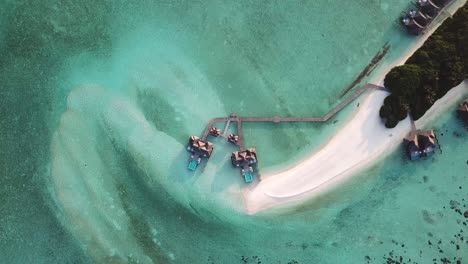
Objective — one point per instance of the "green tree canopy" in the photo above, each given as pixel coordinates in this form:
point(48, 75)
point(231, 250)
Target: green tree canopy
point(404, 80)
point(435, 68)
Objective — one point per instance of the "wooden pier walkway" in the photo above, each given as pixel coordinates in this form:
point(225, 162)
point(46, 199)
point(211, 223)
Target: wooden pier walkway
point(276, 119)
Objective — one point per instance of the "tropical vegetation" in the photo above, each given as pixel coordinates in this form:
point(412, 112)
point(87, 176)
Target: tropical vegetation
point(439, 65)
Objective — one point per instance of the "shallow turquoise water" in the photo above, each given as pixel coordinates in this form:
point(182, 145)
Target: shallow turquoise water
point(180, 64)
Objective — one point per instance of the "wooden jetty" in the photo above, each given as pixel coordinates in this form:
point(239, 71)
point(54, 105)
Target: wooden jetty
point(277, 119)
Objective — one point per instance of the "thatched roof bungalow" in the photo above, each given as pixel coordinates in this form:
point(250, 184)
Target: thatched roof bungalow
point(428, 8)
point(244, 158)
point(198, 146)
point(411, 25)
point(412, 147)
point(214, 131)
point(419, 17)
point(427, 142)
point(420, 144)
point(233, 138)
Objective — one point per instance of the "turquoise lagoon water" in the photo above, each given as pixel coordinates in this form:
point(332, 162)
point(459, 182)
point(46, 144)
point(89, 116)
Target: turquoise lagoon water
point(99, 174)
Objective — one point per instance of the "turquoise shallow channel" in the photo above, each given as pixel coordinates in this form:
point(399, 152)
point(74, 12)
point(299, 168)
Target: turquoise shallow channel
point(98, 99)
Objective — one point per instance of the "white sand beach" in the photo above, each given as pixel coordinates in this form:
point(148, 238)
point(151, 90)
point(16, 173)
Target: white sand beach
point(358, 143)
point(361, 141)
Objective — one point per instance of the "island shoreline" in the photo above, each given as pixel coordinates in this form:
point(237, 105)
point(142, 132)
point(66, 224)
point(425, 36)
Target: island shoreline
point(295, 185)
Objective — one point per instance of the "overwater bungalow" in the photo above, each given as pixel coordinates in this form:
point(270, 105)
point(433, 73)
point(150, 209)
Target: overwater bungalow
point(420, 144)
point(412, 147)
point(462, 111)
point(427, 142)
point(428, 8)
point(233, 138)
point(215, 132)
point(199, 149)
point(411, 25)
point(419, 17)
point(245, 159)
point(200, 146)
